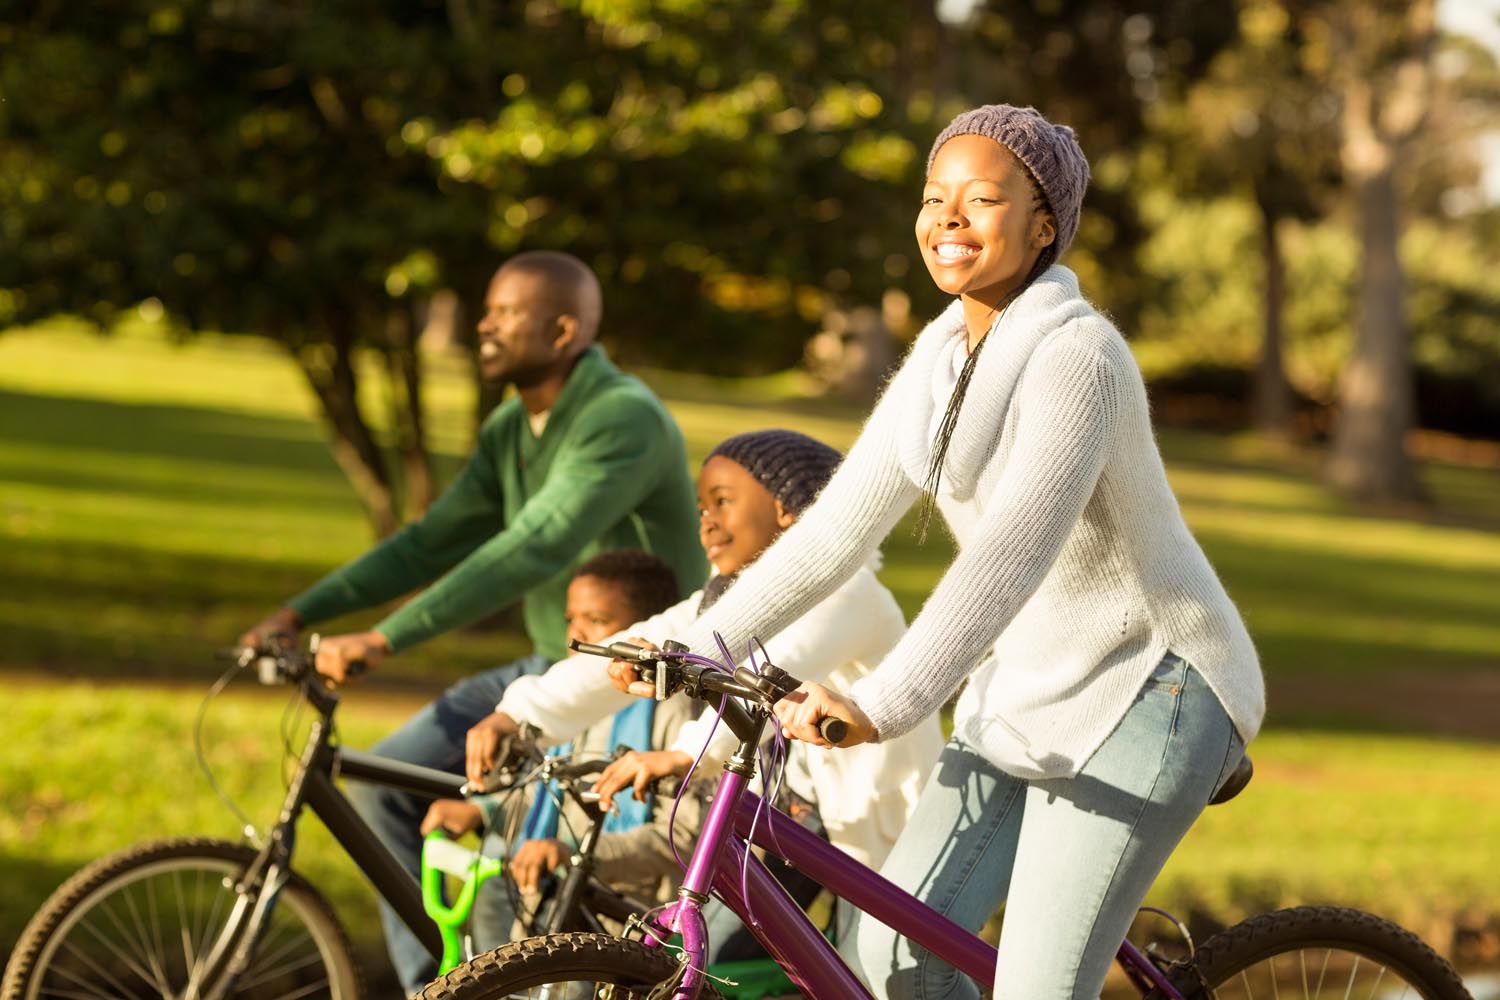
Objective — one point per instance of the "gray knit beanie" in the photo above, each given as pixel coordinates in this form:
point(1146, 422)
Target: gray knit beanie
point(1051, 152)
point(791, 466)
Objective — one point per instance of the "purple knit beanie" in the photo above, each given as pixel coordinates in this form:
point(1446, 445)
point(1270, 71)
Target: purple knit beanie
point(1049, 151)
point(792, 467)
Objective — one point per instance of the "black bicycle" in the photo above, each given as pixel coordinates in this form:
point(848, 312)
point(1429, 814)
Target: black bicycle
point(200, 919)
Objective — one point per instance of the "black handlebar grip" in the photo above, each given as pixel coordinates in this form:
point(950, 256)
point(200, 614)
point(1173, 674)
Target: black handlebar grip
point(833, 730)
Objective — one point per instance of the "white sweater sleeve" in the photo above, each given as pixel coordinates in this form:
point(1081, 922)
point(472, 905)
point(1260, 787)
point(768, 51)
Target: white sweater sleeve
point(1068, 406)
point(831, 540)
point(858, 622)
point(576, 692)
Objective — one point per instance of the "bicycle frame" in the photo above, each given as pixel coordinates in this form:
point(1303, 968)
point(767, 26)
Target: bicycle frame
point(722, 864)
point(313, 786)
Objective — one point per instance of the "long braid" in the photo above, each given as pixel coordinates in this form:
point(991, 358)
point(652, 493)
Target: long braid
point(956, 401)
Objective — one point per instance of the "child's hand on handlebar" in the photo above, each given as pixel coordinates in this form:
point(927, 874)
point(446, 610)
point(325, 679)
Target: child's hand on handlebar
point(455, 816)
point(626, 676)
point(483, 743)
point(534, 859)
point(800, 712)
point(342, 658)
point(638, 769)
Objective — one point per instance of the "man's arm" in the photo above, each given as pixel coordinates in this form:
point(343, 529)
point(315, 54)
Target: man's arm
point(460, 520)
point(611, 461)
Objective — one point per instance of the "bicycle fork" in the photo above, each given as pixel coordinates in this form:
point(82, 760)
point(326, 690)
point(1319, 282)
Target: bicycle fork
point(256, 891)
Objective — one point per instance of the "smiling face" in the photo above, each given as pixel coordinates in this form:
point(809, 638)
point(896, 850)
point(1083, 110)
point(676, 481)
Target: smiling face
point(521, 334)
point(737, 516)
point(983, 223)
point(596, 609)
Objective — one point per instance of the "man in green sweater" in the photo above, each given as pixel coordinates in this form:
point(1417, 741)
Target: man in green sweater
point(580, 460)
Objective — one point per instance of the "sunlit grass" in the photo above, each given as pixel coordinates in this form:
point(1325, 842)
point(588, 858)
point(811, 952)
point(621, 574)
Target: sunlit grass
point(155, 499)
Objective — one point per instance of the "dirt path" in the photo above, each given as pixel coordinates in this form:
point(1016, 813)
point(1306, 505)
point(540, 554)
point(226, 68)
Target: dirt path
point(1464, 704)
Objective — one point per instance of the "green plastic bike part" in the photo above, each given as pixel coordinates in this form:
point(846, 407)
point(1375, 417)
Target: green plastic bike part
point(441, 856)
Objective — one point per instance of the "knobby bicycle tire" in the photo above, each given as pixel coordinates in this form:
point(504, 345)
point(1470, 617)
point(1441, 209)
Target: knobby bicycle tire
point(138, 921)
point(614, 967)
point(1310, 951)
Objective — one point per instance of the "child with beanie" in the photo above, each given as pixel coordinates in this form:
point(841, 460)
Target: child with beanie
point(1111, 684)
point(751, 488)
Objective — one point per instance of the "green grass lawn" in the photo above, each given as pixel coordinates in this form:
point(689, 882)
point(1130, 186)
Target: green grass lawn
point(155, 500)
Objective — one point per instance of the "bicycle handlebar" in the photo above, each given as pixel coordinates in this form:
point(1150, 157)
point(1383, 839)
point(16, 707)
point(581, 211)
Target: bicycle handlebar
point(673, 669)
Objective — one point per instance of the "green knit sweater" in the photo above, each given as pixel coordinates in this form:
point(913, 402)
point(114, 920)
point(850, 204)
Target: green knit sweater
point(608, 471)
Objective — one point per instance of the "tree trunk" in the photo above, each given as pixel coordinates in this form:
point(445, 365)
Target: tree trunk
point(1369, 458)
point(1385, 98)
point(1273, 393)
point(329, 368)
point(404, 364)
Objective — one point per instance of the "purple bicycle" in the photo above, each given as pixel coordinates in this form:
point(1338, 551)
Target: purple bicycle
point(1302, 952)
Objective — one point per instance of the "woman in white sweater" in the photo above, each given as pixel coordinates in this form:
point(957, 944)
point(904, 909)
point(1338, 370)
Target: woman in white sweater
point(1111, 683)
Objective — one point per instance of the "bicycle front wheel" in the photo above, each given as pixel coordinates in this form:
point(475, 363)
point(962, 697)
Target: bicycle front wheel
point(564, 967)
point(1320, 951)
point(141, 923)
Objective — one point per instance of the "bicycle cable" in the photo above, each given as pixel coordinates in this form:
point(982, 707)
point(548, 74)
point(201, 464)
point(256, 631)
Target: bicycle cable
point(246, 827)
point(291, 719)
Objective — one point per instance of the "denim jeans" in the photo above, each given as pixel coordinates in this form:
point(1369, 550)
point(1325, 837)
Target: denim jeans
point(1071, 858)
point(434, 737)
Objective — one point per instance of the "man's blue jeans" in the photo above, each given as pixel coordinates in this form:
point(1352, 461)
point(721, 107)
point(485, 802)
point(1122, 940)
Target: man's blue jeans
point(434, 737)
point(1071, 858)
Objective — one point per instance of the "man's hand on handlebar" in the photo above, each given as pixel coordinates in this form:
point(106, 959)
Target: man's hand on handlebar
point(282, 626)
point(484, 744)
point(342, 658)
point(638, 769)
point(802, 710)
point(625, 674)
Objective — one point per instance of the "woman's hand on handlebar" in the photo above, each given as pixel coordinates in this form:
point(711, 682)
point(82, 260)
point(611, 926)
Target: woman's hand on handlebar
point(482, 745)
point(638, 769)
point(800, 712)
point(626, 676)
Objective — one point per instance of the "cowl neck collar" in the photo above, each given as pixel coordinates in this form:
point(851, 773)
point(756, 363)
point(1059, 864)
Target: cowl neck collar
point(1051, 300)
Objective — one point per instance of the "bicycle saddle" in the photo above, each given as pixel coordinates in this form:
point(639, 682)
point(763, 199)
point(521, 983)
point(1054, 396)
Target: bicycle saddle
point(1235, 783)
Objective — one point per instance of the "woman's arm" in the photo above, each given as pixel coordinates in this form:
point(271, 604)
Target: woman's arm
point(831, 540)
point(1068, 406)
point(858, 622)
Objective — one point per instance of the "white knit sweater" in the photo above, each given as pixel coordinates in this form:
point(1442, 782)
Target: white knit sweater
point(1075, 571)
point(865, 797)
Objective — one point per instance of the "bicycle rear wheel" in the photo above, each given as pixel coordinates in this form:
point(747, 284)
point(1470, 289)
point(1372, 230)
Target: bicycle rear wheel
point(1320, 951)
point(564, 967)
point(142, 922)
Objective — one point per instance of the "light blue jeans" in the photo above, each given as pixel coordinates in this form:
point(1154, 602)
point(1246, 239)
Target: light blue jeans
point(1071, 858)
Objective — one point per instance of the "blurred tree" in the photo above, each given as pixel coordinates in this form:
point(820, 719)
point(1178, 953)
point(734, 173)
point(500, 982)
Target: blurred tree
point(1257, 122)
point(734, 170)
point(246, 165)
point(1099, 66)
point(1377, 56)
